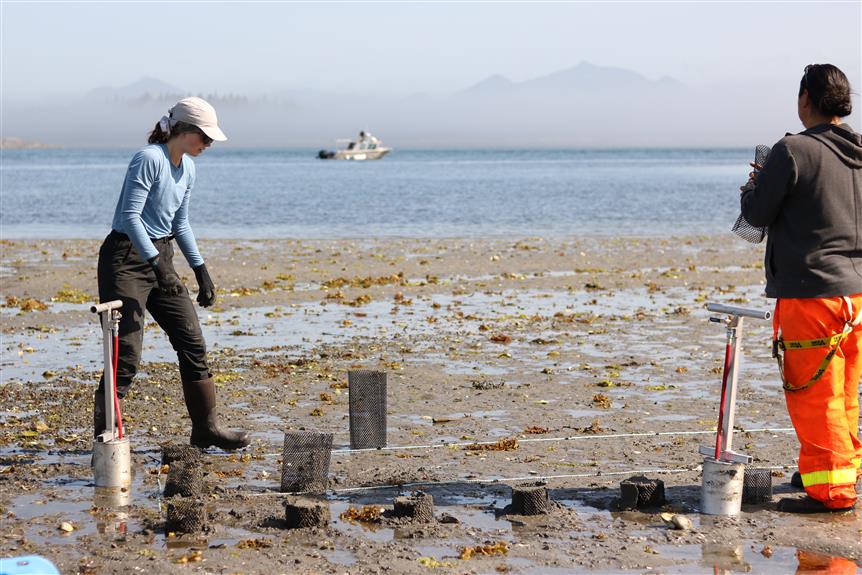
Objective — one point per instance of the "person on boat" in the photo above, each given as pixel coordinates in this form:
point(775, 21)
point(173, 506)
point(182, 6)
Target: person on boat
point(809, 195)
point(136, 265)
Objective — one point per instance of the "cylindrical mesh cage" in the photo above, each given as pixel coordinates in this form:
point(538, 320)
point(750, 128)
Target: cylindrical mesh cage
point(185, 515)
point(748, 232)
point(305, 462)
point(367, 408)
point(756, 485)
point(185, 479)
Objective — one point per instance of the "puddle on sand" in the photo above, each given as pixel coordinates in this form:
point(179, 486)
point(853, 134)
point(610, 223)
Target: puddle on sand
point(357, 529)
point(90, 510)
point(339, 557)
point(472, 505)
point(670, 417)
point(746, 557)
point(458, 367)
point(52, 307)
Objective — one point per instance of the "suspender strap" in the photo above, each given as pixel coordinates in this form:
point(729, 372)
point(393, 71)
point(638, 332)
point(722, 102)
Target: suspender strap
point(833, 342)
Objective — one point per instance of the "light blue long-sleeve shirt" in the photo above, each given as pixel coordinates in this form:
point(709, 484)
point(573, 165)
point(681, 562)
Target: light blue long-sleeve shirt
point(154, 203)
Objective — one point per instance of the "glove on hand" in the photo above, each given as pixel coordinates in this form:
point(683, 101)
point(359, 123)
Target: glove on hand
point(169, 282)
point(206, 289)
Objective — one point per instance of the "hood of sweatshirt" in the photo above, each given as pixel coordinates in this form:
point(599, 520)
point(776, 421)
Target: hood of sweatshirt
point(842, 140)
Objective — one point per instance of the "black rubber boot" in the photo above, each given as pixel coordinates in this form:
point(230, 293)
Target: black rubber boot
point(796, 480)
point(201, 403)
point(806, 505)
point(99, 412)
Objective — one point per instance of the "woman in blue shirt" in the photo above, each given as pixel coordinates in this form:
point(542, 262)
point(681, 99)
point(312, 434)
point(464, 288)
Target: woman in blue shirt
point(136, 265)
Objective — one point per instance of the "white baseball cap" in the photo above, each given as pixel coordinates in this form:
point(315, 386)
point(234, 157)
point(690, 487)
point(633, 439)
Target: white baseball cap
point(198, 112)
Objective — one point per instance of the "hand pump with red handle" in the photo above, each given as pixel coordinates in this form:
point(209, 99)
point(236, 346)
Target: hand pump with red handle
point(722, 451)
point(111, 450)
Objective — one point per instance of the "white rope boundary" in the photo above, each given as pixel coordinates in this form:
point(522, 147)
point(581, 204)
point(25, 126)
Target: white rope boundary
point(452, 445)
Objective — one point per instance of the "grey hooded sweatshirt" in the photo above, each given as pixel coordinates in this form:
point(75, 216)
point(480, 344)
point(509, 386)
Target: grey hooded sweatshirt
point(809, 194)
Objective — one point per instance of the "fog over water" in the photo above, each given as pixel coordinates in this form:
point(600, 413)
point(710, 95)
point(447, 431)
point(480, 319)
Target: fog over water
point(584, 106)
point(433, 75)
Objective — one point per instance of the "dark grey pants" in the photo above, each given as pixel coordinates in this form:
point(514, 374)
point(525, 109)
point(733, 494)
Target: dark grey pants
point(126, 276)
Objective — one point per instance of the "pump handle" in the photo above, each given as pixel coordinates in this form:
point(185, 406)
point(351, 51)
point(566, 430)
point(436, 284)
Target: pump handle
point(107, 306)
point(740, 311)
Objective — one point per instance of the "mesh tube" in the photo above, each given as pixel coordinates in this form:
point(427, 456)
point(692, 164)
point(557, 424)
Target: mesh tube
point(756, 485)
point(305, 462)
point(367, 408)
point(185, 479)
point(742, 228)
point(185, 515)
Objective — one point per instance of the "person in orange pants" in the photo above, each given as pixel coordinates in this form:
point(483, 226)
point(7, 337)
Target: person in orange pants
point(808, 194)
point(822, 364)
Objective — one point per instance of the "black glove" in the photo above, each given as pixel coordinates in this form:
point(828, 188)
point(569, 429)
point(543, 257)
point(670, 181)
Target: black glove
point(206, 289)
point(169, 282)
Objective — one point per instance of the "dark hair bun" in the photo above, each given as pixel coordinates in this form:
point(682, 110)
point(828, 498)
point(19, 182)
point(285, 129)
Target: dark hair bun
point(836, 103)
point(828, 88)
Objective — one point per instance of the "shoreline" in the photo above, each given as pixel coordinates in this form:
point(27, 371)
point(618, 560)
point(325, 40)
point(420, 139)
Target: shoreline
point(514, 236)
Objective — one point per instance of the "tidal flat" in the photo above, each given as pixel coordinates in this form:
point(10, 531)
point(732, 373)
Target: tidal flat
point(577, 361)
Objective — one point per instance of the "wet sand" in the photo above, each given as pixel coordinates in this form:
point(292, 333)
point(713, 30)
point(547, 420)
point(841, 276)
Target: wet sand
point(594, 354)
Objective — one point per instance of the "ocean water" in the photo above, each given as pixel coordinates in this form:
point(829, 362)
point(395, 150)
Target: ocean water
point(442, 193)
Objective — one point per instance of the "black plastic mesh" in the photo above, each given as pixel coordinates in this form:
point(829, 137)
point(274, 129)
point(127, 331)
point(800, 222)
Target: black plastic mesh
point(185, 515)
point(305, 462)
point(418, 506)
point(530, 499)
point(638, 491)
point(300, 513)
point(367, 409)
point(742, 228)
point(756, 485)
point(175, 452)
point(185, 479)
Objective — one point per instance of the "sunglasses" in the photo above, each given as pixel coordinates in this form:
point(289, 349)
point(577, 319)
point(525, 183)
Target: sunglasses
point(204, 138)
point(808, 68)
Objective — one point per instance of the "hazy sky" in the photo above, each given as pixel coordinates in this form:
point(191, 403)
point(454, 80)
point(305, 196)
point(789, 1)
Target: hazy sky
point(53, 48)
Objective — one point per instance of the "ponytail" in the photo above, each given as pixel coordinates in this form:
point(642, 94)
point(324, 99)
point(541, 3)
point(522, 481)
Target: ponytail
point(160, 136)
point(157, 136)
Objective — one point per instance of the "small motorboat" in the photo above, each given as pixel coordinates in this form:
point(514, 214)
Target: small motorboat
point(365, 147)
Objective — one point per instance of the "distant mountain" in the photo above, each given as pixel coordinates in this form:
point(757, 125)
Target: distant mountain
point(490, 85)
point(583, 78)
point(586, 76)
point(144, 88)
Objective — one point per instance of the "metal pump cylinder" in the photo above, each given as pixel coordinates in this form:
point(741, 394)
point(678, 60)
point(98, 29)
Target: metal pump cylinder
point(721, 490)
point(112, 463)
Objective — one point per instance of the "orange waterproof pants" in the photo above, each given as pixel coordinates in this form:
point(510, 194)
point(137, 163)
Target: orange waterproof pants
point(825, 414)
point(823, 564)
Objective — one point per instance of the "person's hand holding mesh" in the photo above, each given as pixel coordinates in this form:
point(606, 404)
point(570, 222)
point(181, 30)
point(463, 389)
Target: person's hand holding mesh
point(742, 228)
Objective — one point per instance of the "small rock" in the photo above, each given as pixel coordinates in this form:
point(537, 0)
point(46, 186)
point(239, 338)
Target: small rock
point(66, 526)
point(675, 521)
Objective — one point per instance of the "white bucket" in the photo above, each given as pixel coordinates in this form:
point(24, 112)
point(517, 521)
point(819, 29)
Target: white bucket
point(112, 463)
point(721, 491)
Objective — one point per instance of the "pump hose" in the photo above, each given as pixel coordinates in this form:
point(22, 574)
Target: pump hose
point(728, 351)
point(117, 411)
